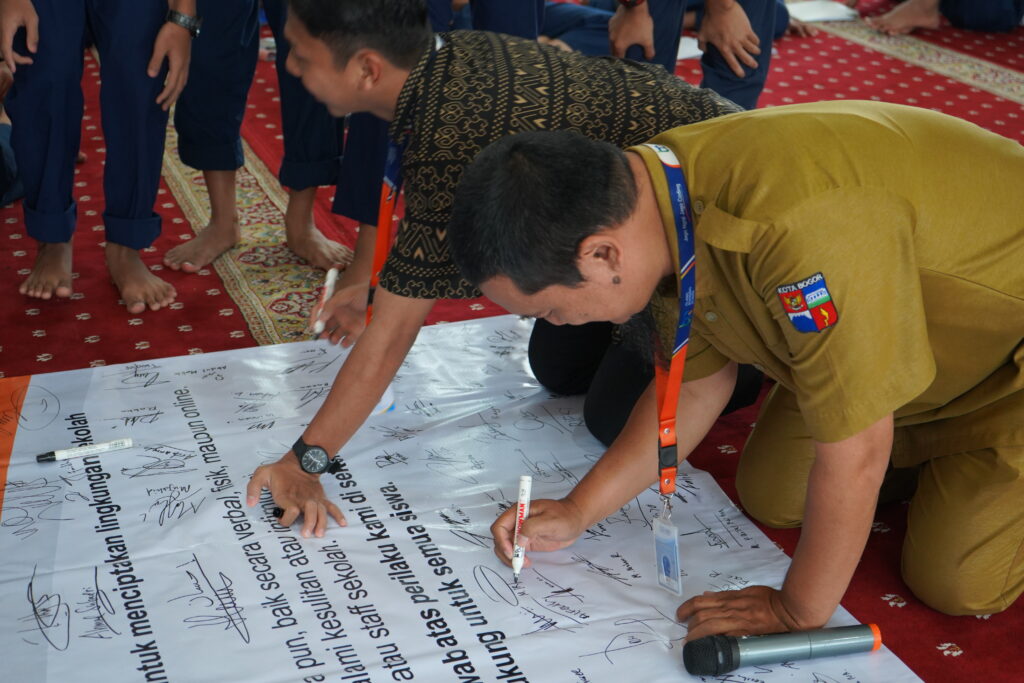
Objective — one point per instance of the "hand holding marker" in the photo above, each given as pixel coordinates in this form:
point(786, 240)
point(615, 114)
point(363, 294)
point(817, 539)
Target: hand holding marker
point(522, 512)
point(327, 293)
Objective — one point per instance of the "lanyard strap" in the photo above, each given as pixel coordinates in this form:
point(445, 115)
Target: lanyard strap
point(668, 381)
point(389, 190)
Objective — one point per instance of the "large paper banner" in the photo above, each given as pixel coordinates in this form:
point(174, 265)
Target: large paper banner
point(146, 565)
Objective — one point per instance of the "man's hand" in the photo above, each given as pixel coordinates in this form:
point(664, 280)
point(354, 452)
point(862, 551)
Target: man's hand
point(344, 315)
point(552, 525)
point(13, 15)
point(631, 26)
point(755, 610)
point(296, 492)
point(173, 43)
point(727, 27)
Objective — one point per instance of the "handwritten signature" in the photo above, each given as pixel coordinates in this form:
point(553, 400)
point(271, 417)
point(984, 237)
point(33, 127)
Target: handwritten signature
point(219, 597)
point(95, 607)
point(660, 630)
point(161, 460)
point(172, 503)
point(51, 616)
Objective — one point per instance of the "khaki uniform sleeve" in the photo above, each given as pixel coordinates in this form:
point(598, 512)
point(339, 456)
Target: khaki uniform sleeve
point(875, 357)
point(702, 359)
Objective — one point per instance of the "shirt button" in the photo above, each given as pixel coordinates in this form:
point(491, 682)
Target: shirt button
point(711, 316)
point(698, 207)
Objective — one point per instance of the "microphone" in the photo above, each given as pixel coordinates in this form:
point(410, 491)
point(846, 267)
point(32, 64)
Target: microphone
point(713, 655)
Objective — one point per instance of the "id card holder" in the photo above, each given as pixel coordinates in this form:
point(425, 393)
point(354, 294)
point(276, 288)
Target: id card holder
point(666, 556)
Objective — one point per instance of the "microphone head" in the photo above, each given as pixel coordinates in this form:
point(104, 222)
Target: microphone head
point(711, 655)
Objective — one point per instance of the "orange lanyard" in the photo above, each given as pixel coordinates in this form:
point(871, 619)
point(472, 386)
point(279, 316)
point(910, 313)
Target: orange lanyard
point(668, 381)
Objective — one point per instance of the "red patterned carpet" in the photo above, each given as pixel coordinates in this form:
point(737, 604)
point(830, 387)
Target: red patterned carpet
point(260, 293)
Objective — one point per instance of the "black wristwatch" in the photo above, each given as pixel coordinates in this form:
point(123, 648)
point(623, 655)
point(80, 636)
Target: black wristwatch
point(190, 24)
point(314, 459)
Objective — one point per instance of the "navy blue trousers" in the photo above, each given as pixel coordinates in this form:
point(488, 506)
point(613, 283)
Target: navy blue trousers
point(667, 16)
point(993, 15)
point(45, 105)
point(209, 113)
point(362, 166)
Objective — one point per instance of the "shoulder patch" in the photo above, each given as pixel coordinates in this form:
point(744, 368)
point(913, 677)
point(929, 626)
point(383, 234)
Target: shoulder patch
point(808, 304)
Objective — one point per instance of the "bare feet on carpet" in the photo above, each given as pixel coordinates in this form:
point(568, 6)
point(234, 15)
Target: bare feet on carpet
point(907, 16)
point(51, 274)
point(139, 288)
point(204, 248)
point(310, 244)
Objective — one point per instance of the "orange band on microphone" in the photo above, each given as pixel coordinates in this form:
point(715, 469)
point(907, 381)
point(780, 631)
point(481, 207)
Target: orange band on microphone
point(878, 637)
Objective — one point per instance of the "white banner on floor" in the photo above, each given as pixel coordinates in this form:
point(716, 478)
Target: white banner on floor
point(146, 565)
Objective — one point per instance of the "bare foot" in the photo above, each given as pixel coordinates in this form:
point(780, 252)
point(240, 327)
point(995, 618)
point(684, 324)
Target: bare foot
point(319, 251)
point(138, 286)
point(204, 248)
point(907, 16)
point(51, 274)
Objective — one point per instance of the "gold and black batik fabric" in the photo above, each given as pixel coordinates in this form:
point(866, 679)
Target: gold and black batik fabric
point(479, 87)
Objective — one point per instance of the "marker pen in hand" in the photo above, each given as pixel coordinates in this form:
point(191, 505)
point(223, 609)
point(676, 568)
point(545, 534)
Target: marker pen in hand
point(328, 292)
point(522, 512)
point(82, 451)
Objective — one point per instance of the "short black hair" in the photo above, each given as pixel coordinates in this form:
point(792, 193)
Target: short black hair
point(527, 201)
point(398, 29)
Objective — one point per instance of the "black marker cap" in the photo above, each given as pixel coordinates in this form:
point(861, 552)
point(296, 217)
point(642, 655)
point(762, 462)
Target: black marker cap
point(279, 512)
point(49, 456)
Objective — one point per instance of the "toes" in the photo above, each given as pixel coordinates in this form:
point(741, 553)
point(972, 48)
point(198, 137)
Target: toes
point(189, 267)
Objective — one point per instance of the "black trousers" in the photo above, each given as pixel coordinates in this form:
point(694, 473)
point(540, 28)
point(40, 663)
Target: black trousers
point(577, 359)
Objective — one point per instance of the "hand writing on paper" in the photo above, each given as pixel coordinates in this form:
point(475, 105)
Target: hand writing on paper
point(297, 493)
point(343, 315)
point(752, 611)
point(552, 525)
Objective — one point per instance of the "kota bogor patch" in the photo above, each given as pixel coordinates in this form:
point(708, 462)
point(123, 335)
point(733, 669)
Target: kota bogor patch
point(808, 303)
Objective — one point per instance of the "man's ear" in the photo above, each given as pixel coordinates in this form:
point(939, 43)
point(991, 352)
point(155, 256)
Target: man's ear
point(599, 257)
point(370, 67)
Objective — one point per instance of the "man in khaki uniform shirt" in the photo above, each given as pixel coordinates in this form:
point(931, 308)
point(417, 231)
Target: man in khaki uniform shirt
point(869, 258)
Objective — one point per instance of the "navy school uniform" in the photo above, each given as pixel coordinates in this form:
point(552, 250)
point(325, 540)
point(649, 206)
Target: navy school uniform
point(45, 105)
point(209, 113)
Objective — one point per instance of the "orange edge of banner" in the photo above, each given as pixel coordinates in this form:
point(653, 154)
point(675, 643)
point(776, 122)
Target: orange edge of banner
point(12, 393)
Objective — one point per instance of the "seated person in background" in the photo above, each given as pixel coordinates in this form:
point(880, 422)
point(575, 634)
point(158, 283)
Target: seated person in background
point(447, 96)
point(987, 15)
point(876, 277)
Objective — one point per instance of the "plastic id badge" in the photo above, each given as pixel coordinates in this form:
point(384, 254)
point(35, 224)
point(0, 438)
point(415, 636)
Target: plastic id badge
point(666, 556)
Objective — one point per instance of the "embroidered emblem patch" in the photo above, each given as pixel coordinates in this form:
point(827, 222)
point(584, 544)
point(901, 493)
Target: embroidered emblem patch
point(808, 304)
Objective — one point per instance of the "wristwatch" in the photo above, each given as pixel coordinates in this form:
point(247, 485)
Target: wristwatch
point(314, 459)
point(190, 24)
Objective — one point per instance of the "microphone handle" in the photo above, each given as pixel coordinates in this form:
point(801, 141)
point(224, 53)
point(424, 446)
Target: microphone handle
point(827, 642)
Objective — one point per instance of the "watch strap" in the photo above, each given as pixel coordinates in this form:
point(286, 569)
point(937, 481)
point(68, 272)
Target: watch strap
point(190, 24)
point(300, 447)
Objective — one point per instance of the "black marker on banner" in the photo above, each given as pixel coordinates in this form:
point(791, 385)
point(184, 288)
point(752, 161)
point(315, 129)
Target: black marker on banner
point(82, 451)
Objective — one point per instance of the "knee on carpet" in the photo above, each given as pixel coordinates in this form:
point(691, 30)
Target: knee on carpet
point(776, 511)
point(952, 589)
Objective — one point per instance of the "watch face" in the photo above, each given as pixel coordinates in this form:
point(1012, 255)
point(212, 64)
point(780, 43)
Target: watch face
point(314, 460)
